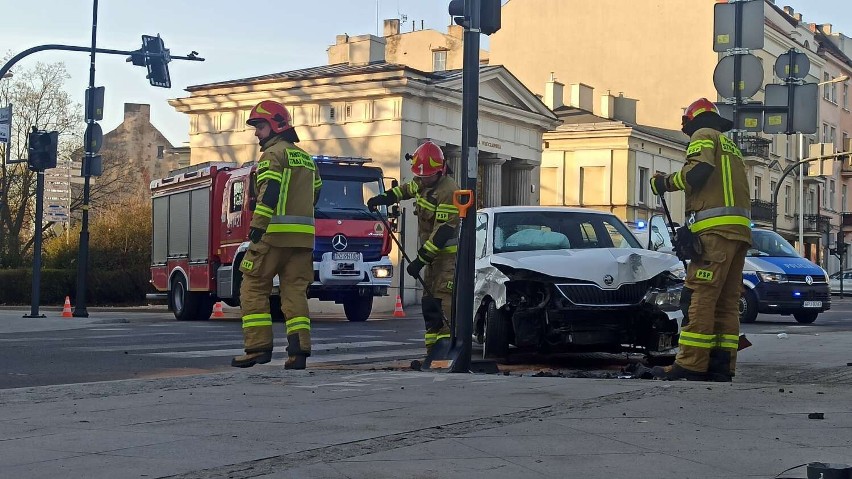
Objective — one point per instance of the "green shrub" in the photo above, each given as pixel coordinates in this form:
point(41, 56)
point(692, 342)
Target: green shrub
point(105, 287)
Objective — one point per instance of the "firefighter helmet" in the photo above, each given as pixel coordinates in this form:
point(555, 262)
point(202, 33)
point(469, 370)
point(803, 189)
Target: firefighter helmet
point(273, 113)
point(700, 107)
point(428, 160)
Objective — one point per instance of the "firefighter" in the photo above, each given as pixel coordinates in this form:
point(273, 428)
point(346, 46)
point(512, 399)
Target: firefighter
point(437, 221)
point(716, 237)
point(282, 240)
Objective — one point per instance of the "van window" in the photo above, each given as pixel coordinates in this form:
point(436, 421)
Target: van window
point(770, 243)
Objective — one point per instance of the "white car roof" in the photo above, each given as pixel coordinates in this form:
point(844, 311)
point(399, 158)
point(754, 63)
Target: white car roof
point(559, 209)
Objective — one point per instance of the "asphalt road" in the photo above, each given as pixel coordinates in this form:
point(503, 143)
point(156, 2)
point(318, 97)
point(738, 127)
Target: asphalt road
point(133, 345)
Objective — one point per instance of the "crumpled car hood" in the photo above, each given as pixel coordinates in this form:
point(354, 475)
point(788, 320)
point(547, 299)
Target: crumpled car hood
point(623, 265)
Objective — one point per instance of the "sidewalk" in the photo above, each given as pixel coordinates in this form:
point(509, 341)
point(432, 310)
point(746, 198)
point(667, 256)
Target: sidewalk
point(330, 423)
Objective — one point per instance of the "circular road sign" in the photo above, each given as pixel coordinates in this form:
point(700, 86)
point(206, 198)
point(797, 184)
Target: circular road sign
point(751, 76)
point(801, 65)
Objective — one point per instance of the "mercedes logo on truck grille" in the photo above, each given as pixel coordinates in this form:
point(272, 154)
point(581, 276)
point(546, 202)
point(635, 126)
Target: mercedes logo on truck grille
point(339, 242)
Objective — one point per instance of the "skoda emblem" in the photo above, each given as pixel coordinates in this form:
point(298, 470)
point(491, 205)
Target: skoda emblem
point(608, 280)
point(809, 280)
point(339, 242)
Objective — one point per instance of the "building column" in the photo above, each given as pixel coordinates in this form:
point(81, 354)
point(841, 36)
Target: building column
point(491, 191)
point(452, 155)
point(518, 182)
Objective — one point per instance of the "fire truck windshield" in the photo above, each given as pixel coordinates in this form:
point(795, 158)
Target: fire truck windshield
point(347, 196)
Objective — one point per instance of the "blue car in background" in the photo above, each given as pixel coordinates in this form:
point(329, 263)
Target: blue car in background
point(777, 280)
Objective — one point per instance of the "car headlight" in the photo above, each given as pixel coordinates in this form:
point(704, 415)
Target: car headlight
point(665, 299)
point(772, 277)
point(382, 272)
point(679, 272)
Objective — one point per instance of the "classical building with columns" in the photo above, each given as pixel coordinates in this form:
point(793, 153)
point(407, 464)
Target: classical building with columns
point(367, 107)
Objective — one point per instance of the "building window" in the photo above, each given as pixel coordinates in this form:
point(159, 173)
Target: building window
point(757, 187)
point(331, 113)
point(439, 60)
point(643, 186)
point(845, 96)
point(845, 145)
point(787, 191)
point(824, 133)
point(657, 201)
point(834, 93)
point(772, 185)
point(788, 145)
point(832, 135)
point(844, 191)
point(236, 197)
point(826, 89)
point(832, 192)
point(161, 152)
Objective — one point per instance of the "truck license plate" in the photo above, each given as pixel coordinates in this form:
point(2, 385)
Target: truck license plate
point(813, 304)
point(346, 256)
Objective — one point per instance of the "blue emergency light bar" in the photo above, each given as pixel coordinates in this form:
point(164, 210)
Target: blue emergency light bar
point(351, 160)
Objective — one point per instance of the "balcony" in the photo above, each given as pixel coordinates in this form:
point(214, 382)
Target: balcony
point(761, 211)
point(846, 219)
point(755, 149)
point(816, 224)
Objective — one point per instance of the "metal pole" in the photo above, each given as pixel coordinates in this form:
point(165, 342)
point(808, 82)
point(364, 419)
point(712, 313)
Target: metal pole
point(464, 290)
point(801, 195)
point(83, 254)
point(9, 143)
point(738, 68)
point(36, 287)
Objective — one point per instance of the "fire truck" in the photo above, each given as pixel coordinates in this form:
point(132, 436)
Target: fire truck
point(201, 218)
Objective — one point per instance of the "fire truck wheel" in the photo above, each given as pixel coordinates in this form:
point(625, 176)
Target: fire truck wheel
point(275, 308)
point(187, 305)
point(358, 308)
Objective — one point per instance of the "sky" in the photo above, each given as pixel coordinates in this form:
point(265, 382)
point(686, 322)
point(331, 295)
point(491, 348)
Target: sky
point(237, 40)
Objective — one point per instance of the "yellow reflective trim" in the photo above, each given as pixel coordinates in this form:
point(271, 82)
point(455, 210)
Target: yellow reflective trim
point(284, 228)
point(269, 175)
point(677, 179)
point(698, 336)
point(262, 210)
point(298, 327)
point(450, 249)
point(719, 221)
point(447, 208)
point(695, 344)
point(257, 320)
point(727, 183)
point(298, 319)
point(443, 336)
point(704, 275)
point(256, 324)
point(246, 264)
point(257, 316)
point(285, 189)
point(430, 247)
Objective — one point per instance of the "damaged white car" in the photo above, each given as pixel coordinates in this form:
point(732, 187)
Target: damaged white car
point(554, 279)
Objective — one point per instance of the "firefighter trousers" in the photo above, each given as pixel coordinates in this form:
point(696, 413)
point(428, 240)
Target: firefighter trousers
point(295, 270)
point(437, 307)
point(709, 335)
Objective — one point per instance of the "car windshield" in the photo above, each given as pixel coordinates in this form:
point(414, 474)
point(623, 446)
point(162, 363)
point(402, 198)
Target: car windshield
point(555, 230)
point(770, 243)
point(347, 197)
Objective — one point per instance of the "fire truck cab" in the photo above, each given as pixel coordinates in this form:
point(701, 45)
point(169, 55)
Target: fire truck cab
point(201, 218)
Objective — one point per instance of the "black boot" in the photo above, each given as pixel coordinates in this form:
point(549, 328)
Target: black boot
point(296, 361)
point(675, 373)
point(720, 366)
point(296, 356)
point(250, 359)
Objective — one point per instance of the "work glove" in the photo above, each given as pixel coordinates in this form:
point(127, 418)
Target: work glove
point(255, 234)
point(379, 200)
point(413, 269)
point(658, 184)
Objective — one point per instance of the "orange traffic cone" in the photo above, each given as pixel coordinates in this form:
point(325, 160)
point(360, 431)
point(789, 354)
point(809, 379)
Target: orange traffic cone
point(217, 310)
point(397, 310)
point(66, 309)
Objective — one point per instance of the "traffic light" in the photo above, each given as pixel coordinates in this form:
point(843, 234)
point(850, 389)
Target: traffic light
point(488, 15)
point(157, 60)
point(42, 147)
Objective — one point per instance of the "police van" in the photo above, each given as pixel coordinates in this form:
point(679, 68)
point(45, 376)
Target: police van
point(776, 279)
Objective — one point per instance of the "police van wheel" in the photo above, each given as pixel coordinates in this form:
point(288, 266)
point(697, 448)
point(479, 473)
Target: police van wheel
point(358, 308)
point(805, 318)
point(747, 307)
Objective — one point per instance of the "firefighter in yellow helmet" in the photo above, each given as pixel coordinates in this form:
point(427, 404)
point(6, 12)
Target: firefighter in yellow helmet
point(282, 240)
point(715, 239)
point(437, 221)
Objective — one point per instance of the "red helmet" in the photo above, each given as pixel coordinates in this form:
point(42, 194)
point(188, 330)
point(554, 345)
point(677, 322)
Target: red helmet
point(702, 105)
point(272, 112)
point(428, 160)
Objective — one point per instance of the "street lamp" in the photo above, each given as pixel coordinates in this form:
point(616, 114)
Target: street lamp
point(841, 78)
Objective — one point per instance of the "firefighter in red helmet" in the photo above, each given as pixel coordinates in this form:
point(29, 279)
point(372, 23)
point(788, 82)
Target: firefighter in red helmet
point(437, 221)
point(715, 240)
point(282, 240)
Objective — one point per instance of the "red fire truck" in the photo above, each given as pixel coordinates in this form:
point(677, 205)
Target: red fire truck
point(201, 217)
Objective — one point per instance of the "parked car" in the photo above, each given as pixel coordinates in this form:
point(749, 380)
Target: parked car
point(834, 282)
point(554, 279)
point(777, 280)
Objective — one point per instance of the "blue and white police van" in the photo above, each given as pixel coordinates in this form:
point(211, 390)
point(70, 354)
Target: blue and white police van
point(777, 280)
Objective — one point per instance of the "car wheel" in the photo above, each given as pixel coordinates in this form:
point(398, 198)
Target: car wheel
point(496, 341)
point(747, 307)
point(358, 308)
point(805, 318)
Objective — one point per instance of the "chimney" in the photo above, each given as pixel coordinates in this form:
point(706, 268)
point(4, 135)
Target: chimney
point(455, 31)
point(798, 17)
point(826, 28)
point(360, 50)
point(582, 96)
point(625, 108)
point(391, 27)
point(137, 112)
point(789, 10)
point(608, 105)
point(553, 93)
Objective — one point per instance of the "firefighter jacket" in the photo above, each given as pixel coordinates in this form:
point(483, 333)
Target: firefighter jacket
point(437, 218)
point(288, 185)
point(716, 186)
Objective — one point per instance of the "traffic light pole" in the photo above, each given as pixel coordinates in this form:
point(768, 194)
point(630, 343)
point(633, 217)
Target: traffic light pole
point(80, 310)
point(36, 291)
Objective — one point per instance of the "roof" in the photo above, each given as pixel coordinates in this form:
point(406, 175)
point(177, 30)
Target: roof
point(575, 116)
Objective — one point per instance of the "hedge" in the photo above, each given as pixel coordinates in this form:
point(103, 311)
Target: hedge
point(105, 287)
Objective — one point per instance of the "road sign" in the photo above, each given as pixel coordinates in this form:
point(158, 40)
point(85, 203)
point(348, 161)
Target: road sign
point(748, 120)
point(800, 67)
point(5, 132)
point(751, 76)
point(804, 109)
point(724, 26)
point(97, 137)
point(96, 96)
